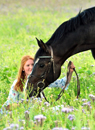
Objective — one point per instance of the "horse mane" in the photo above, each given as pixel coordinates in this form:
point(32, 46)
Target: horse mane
point(82, 18)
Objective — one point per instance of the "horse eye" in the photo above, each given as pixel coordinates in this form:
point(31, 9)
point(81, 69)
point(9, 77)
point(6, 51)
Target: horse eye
point(41, 65)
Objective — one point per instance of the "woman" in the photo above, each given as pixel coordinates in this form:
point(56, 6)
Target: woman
point(17, 89)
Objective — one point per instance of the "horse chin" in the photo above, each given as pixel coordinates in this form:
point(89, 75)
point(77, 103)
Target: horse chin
point(34, 90)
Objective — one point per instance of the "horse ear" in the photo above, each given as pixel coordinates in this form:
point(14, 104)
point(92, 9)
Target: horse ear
point(38, 42)
point(42, 45)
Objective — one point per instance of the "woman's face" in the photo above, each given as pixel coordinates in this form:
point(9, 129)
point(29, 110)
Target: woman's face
point(28, 67)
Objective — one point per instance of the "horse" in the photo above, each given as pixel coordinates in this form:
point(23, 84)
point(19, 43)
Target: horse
point(73, 36)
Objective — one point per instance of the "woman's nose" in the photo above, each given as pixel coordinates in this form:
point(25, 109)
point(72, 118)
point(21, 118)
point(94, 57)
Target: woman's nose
point(31, 66)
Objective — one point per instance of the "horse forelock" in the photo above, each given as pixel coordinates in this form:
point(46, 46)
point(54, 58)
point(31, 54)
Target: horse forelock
point(40, 52)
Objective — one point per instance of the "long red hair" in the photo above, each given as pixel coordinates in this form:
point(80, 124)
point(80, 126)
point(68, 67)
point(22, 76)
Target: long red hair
point(21, 74)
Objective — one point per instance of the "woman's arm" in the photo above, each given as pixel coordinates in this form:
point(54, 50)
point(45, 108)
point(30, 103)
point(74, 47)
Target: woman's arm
point(12, 98)
point(61, 82)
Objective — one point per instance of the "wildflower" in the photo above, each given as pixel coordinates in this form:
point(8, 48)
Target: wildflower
point(35, 122)
point(22, 122)
point(39, 119)
point(43, 109)
point(39, 101)
point(26, 115)
point(73, 128)
point(85, 128)
point(10, 114)
point(59, 128)
point(92, 65)
point(14, 126)
point(47, 104)
point(22, 100)
point(35, 98)
point(76, 99)
point(27, 100)
point(93, 73)
point(84, 100)
point(67, 110)
point(7, 128)
point(71, 117)
point(32, 98)
point(63, 74)
point(92, 97)
point(17, 102)
point(83, 111)
point(57, 107)
point(22, 128)
point(74, 77)
point(63, 67)
point(57, 122)
point(87, 104)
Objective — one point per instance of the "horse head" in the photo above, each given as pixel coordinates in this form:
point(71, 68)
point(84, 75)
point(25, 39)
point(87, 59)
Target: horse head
point(45, 70)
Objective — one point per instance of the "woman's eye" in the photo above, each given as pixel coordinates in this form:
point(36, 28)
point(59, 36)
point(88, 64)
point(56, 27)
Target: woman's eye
point(41, 65)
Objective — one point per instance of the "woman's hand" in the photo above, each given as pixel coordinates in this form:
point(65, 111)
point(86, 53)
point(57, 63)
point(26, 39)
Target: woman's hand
point(71, 67)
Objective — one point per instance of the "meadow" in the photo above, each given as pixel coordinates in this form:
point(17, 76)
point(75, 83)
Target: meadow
point(20, 23)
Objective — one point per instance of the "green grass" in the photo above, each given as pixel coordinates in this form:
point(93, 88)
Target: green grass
point(20, 23)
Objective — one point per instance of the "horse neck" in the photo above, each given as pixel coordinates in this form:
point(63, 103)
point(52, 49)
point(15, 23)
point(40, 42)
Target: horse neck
point(60, 55)
point(82, 39)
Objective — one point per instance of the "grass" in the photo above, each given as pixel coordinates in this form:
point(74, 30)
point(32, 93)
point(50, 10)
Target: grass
point(21, 22)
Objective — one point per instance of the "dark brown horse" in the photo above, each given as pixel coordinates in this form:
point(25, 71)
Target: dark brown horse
point(71, 37)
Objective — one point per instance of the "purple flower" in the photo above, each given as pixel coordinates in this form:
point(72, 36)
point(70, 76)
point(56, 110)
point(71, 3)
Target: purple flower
point(47, 104)
point(22, 100)
point(10, 113)
point(22, 128)
point(92, 65)
point(83, 111)
point(27, 100)
point(7, 128)
point(87, 104)
point(39, 117)
point(67, 110)
point(71, 117)
point(26, 115)
point(85, 128)
point(84, 100)
point(26, 112)
point(73, 128)
point(92, 96)
point(22, 122)
point(43, 108)
point(59, 128)
point(93, 73)
point(14, 126)
point(17, 102)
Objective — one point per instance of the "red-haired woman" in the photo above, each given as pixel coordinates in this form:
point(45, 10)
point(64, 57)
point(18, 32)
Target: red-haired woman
point(16, 91)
